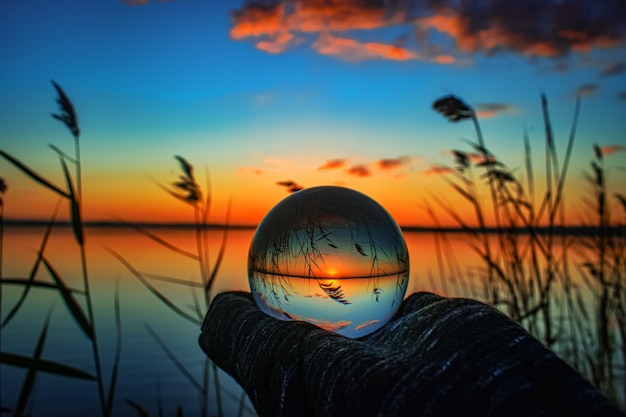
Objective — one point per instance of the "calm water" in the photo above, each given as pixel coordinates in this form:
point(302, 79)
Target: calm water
point(144, 365)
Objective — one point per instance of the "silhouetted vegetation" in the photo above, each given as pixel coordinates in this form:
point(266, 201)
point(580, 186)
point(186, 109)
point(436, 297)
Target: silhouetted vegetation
point(522, 271)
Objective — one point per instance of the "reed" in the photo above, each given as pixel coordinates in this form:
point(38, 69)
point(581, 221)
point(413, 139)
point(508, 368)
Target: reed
point(85, 320)
point(522, 272)
point(187, 190)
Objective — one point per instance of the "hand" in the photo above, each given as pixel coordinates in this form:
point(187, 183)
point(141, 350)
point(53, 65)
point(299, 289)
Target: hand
point(437, 357)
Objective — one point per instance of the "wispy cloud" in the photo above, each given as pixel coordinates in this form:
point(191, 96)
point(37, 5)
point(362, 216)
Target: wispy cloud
point(437, 170)
point(614, 68)
point(587, 90)
point(332, 164)
point(488, 110)
point(611, 149)
point(250, 170)
point(352, 50)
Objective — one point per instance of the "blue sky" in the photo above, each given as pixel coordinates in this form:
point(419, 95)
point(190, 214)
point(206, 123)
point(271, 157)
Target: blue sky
point(153, 79)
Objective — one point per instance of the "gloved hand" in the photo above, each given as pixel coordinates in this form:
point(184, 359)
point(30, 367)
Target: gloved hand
point(437, 357)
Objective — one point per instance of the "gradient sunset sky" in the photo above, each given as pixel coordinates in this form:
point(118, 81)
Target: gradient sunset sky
point(315, 92)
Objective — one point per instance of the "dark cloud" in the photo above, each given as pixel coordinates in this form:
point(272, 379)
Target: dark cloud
point(359, 171)
point(614, 68)
point(332, 164)
point(291, 186)
point(486, 110)
point(587, 90)
point(532, 28)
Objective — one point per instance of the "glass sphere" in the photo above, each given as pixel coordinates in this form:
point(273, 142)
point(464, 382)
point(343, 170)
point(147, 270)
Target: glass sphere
point(330, 256)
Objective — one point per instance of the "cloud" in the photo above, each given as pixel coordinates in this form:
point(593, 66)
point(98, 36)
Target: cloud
point(352, 50)
point(487, 110)
point(249, 170)
point(534, 28)
point(393, 163)
point(621, 96)
point(614, 68)
point(291, 186)
point(359, 171)
point(611, 149)
point(366, 324)
point(437, 170)
point(587, 90)
point(278, 25)
point(332, 164)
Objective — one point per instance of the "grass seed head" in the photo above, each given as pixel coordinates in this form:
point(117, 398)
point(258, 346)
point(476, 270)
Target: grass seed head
point(68, 114)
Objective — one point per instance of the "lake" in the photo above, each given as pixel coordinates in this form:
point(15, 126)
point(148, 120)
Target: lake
point(148, 378)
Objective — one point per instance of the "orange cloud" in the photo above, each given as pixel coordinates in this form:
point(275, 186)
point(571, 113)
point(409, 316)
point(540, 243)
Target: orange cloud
point(611, 149)
point(332, 164)
point(356, 51)
point(437, 170)
point(247, 170)
point(359, 171)
point(366, 324)
point(277, 25)
point(393, 163)
point(257, 20)
point(488, 110)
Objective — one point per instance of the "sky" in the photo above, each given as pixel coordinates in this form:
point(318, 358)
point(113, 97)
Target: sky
point(258, 95)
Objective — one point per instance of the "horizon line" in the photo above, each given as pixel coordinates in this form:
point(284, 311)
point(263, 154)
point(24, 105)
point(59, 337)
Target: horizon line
point(569, 230)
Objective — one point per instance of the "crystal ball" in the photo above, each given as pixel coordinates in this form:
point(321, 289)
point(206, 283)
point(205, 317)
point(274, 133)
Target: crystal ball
point(330, 256)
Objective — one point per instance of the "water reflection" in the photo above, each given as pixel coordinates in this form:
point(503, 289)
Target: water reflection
point(146, 374)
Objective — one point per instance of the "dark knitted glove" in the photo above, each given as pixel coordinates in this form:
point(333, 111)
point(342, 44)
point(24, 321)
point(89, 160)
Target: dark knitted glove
point(437, 357)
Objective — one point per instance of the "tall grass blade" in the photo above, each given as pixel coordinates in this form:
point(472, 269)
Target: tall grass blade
point(159, 397)
point(26, 282)
point(171, 280)
point(174, 359)
point(61, 153)
point(160, 241)
point(77, 225)
point(220, 255)
point(118, 347)
point(529, 167)
point(141, 412)
point(35, 267)
point(568, 153)
point(70, 301)
point(32, 174)
point(44, 365)
point(153, 290)
point(29, 381)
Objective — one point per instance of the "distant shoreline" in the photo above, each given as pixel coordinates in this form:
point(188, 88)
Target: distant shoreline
point(541, 230)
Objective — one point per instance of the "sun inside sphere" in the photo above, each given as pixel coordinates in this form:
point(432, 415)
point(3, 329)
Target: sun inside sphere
point(330, 256)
